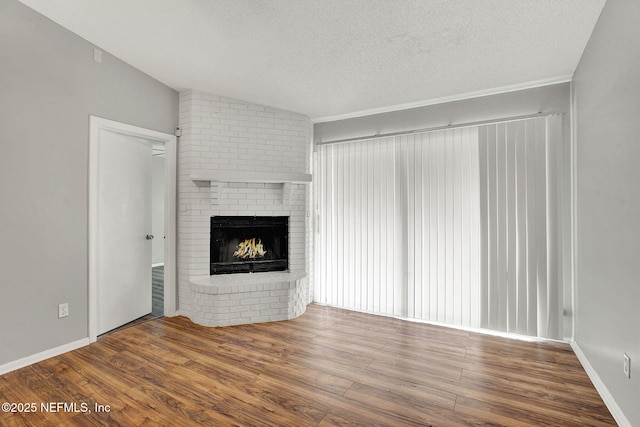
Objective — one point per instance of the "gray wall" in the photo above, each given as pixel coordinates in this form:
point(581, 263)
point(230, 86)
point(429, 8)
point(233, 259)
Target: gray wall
point(49, 85)
point(607, 109)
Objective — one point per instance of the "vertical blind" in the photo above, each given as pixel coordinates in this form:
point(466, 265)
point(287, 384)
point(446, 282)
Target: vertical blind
point(454, 226)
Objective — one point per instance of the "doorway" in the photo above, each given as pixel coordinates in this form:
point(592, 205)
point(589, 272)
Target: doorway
point(157, 229)
point(120, 227)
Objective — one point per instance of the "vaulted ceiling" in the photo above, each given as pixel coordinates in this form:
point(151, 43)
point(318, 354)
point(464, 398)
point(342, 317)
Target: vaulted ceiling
point(336, 58)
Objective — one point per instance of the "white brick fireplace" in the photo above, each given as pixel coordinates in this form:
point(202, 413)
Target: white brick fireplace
point(237, 158)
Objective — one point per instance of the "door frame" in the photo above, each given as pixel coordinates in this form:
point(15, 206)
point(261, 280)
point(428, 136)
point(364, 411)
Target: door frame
point(97, 125)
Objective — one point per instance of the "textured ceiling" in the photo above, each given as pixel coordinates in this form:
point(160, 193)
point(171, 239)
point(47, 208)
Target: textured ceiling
point(335, 58)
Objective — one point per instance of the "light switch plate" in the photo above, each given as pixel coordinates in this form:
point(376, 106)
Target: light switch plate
point(627, 365)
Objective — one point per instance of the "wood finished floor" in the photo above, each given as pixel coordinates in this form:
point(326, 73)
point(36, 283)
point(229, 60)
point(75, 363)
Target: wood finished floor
point(328, 367)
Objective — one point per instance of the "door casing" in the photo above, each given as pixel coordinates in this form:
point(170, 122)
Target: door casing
point(96, 125)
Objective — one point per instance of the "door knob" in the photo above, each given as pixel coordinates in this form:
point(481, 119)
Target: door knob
point(149, 236)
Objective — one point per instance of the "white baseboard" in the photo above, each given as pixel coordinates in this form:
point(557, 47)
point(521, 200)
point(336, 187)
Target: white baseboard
point(38, 357)
point(606, 396)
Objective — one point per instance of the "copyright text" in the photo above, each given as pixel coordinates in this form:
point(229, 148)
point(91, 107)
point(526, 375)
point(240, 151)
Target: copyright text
point(53, 407)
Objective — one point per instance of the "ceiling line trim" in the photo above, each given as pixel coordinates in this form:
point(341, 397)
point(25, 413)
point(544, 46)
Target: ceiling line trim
point(435, 101)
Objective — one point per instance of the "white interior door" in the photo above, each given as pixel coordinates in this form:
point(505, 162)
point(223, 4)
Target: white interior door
point(123, 270)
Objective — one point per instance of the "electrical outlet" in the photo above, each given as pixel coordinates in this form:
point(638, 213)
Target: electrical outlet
point(63, 310)
point(626, 368)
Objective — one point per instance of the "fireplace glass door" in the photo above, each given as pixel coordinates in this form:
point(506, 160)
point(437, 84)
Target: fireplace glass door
point(248, 244)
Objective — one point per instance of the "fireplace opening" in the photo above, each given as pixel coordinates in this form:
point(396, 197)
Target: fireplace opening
point(248, 244)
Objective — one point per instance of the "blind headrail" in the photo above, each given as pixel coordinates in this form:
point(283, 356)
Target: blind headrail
point(442, 127)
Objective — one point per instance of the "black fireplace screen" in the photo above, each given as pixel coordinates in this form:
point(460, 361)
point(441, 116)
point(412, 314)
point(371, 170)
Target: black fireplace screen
point(247, 244)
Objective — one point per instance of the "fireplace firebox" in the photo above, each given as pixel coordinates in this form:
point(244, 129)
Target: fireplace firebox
point(249, 244)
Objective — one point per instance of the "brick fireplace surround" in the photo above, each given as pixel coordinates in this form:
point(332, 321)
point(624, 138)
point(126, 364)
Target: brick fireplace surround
point(237, 158)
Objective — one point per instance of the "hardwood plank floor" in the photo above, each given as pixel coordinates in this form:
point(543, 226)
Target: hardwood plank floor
point(329, 367)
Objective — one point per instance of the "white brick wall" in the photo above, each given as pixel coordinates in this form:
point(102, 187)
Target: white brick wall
point(222, 134)
point(261, 298)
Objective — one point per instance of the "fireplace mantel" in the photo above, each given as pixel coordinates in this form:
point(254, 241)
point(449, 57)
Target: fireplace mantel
point(252, 177)
point(217, 177)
